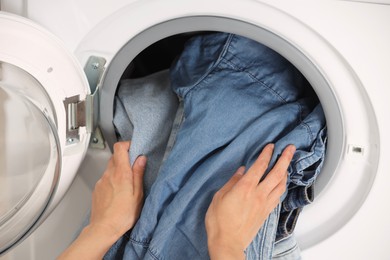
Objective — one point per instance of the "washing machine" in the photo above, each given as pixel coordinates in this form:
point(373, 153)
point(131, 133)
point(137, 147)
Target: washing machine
point(60, 65)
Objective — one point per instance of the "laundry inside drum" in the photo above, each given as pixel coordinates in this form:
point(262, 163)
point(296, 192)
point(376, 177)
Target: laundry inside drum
point(146, 103)
point(200, 105)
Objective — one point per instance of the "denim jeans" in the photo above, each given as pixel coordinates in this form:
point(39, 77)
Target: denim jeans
point(238, 96)
point(287, 249)
point(145, 110)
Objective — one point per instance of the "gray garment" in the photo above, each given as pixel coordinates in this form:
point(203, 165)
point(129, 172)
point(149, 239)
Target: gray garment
point(145, 109)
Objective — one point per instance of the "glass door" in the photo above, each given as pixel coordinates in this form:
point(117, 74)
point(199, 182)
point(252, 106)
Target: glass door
point(29, 153)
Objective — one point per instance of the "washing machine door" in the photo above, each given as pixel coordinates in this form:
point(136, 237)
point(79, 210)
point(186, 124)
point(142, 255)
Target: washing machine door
point(42, 141)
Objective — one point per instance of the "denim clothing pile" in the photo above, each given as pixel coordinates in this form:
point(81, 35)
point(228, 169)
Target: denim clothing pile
point(237, 96)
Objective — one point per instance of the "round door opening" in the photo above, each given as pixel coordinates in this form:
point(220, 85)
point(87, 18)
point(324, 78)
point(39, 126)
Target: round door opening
point(349, 146)
point(29, 153)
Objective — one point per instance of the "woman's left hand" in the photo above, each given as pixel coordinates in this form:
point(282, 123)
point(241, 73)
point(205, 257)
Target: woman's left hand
point(116, 205)
point(118, 196)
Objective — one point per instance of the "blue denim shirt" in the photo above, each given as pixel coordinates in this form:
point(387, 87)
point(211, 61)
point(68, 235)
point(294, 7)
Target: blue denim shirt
point(238, 96)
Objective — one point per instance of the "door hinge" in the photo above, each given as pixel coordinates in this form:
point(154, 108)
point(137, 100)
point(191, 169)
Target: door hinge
point(85, 113)
point(80, 113)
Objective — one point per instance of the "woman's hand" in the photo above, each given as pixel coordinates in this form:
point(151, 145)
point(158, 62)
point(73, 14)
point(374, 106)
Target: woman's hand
point(116, 205)
point(118, 196)
point(240, 207)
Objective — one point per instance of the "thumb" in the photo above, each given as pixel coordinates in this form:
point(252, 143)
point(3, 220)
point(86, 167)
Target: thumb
point(138, 173)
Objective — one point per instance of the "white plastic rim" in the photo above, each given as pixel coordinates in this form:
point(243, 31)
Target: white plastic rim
point(46, 74)
point(353, 144)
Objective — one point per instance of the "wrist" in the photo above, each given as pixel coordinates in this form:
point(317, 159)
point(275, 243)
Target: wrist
point(223, 251)
point(102, 233)
point(92, 243)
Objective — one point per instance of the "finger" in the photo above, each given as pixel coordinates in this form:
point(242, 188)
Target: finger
point(121, 154)
point(274, 197)
point(257, 170)
point(122, 145)
point(278, 191)
point(233, 180)
point(285, 159)
point(278, 171)
point(138, 173)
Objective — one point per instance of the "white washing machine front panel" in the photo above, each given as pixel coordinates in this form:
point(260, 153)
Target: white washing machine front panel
point(340, 46)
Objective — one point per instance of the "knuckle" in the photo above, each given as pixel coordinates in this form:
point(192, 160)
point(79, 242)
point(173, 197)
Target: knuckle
point(218, 195)
point(263, 164)
point(104, 176)
point(246, 183)
point(98, 184)
point(123, 169)
point(278, 174)
point(262, 197)
point(281, 174)
point(117, 145)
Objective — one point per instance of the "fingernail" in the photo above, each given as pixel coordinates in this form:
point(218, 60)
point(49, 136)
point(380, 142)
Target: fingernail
point(141, 160)
point(241, 170)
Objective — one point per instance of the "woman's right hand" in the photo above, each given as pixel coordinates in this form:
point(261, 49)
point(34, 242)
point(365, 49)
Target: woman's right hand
point(240, 207)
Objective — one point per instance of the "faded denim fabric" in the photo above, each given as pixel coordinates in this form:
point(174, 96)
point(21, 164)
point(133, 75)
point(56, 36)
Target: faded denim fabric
point(178, 121)
point(145, 110)
point(238, 96)
point(287, 249)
